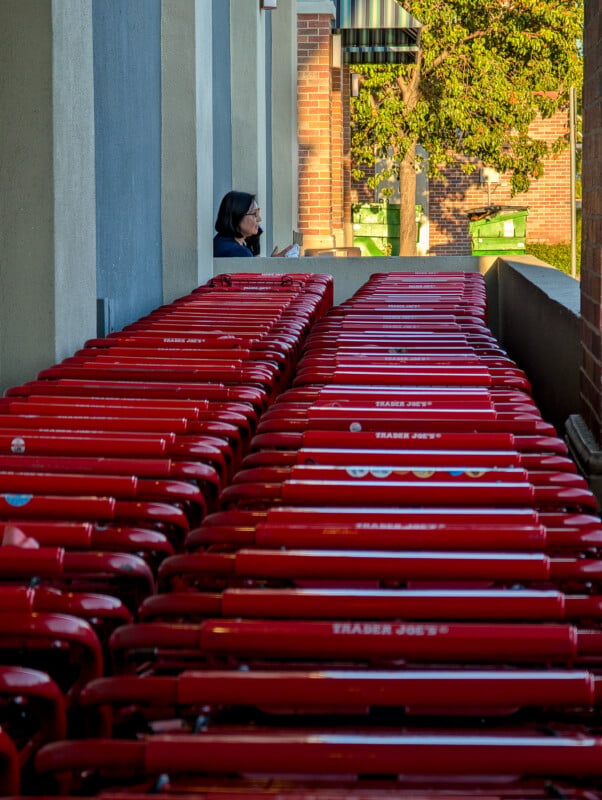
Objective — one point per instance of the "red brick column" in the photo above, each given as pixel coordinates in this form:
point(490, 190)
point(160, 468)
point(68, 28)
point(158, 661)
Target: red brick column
point(584, 430)
point(591, 252)
point(315, 130)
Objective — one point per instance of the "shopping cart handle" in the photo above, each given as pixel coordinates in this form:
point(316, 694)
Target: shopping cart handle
point(498, 755)
point(462, 690)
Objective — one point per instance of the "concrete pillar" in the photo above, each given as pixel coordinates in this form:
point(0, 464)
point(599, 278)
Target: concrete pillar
point(187, 150)
point(585, 430)
point(248, 89)
point(285, 164)
point(47, 187)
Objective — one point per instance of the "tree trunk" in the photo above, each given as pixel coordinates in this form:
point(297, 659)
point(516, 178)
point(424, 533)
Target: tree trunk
point(407, 206)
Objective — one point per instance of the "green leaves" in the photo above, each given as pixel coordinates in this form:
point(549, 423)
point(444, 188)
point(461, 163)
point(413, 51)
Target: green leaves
point(485, 70)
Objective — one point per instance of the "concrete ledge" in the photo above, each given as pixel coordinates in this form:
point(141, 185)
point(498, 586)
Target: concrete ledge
point(555, 284)
point(316, 7)
point(351, 273)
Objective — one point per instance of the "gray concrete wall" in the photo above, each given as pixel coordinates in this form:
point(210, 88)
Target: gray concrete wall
point(248, 98)
point(107, 157)
point(47, 219)
point(27, 317)
point(204, 138)
point(255, 112)
point(269, 113)
point(284, 155)
point(127, 83)
point(222, 105)
point(538, 324)
point(186, 144)
point(74, 175)
point(349, 273)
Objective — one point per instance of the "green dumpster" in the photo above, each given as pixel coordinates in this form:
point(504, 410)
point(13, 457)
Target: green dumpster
point(496, 230)
point(376, 228)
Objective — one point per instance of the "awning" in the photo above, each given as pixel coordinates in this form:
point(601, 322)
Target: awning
point(376, 32)
point(373, 14)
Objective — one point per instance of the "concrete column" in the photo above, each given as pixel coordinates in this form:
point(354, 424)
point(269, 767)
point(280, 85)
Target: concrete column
point(285, 161)
point(47, 186)
point(187, 150)
point(247, 49)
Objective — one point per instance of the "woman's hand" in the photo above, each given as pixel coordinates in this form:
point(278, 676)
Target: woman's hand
point(279, 254)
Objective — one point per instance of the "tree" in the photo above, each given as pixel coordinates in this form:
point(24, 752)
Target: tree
point(484, 70)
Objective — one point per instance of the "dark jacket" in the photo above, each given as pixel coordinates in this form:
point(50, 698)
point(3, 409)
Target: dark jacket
point(226, 246)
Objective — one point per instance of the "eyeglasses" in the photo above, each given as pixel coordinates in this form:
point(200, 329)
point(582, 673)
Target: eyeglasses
point(255, 213)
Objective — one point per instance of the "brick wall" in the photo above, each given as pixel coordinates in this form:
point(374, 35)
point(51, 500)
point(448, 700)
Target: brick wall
point(320, 134)
point(591, 253)
point(548, 199)
point(360, 191)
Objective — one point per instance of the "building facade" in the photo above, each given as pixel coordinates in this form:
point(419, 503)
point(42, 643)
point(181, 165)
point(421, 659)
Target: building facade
point(124, 122)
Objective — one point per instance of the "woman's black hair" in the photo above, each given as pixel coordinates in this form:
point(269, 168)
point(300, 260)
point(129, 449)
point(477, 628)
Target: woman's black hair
point(232, 209)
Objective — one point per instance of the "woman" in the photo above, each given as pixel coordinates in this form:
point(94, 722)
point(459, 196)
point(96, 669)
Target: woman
point(237, 226)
